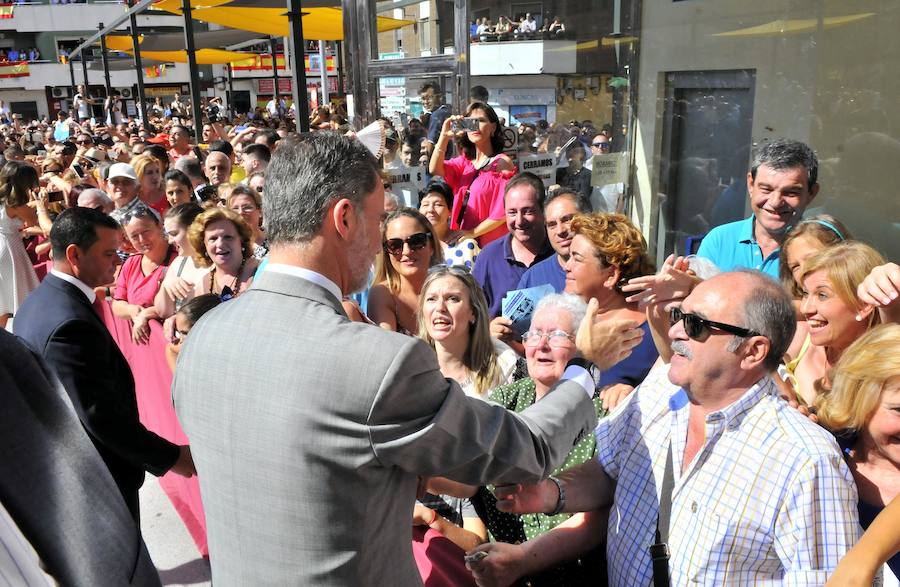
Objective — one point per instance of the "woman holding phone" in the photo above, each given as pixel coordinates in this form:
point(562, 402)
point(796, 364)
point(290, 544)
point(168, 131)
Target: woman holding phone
point(478, 176)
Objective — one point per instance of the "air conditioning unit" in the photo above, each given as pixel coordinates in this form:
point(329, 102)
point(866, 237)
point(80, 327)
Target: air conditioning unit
point(126, 93)
point(60, 92)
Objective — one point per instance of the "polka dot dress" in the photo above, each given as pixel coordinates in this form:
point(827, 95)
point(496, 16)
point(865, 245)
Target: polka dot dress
point(462, 254)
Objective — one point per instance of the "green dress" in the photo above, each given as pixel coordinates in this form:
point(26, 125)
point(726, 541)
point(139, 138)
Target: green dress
point(514, 529)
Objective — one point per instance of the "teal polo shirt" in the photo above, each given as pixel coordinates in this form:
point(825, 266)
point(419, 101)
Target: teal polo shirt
point(732, 246)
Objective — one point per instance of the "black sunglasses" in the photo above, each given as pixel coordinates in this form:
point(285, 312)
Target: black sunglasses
point(601, 145)
point(417, 241)
point(698, 328)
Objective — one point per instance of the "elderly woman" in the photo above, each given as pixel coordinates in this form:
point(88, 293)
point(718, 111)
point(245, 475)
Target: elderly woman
point(435, 203)
point(150, 182)
point(178, 285)
point(454, 320)
point(549, 345)
point(222, 241)
point(248, 203)
point(861, 409)
point(606, 251)
point(834, 314)
point(141, 274)
point(409, 249)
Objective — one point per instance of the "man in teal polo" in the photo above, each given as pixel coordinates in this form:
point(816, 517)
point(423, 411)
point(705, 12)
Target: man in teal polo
point(781, 183)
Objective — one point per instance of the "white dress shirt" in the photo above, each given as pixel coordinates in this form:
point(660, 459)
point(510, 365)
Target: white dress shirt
point(87, 291)
point(308, 275)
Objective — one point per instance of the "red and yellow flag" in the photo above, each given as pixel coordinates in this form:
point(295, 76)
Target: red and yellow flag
point(6, 10)
point(14, 69)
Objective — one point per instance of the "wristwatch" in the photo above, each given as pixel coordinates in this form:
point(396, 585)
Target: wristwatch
point(561, 504)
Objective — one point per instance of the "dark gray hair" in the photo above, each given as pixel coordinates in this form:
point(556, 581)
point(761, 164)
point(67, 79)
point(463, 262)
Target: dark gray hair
point(785, 153)
point(582, 203)
point(531, 180)
point(305, 178)
point(769, 311)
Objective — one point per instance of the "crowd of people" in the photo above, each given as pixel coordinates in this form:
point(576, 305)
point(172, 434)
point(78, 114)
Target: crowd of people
point(511, 350)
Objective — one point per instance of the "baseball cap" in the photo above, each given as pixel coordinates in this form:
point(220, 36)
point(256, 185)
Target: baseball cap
point(122, 170)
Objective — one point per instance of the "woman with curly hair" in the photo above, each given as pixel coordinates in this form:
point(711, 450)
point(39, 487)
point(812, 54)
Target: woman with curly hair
point(606, 251)
point(223, 241)
point(478, 176)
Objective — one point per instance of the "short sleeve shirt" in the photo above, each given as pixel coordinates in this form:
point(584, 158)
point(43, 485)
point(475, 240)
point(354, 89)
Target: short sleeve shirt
point(732, 246)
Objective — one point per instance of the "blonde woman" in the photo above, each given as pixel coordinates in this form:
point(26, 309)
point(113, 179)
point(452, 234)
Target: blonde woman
point(222, 241)
point(834, 314)
point(410, 247)
point(454, 321)
point(150, 182)
point(861, 409)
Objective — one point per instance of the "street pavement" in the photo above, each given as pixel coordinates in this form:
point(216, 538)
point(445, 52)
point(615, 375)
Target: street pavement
point(173, 551)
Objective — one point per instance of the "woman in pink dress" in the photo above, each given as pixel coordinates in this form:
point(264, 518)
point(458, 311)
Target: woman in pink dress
point(133, 321)
point(478, 176)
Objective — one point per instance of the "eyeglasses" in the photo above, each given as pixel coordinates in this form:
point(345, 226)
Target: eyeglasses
point(245, 209)
point(259, 189)
point(698, 328)
point(601, 145)
point(84, 142)
point(557, 339)
point(417, 241)
point(452, 269)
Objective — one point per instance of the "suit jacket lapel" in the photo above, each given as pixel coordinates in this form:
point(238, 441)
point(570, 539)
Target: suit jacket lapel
point(70, 290)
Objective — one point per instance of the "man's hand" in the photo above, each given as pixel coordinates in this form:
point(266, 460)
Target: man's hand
point(612, 395)
point(605, 341)
point(501, 329)
point(672, 282)
point(501, 567)
point(184, 466)
point(527, 499)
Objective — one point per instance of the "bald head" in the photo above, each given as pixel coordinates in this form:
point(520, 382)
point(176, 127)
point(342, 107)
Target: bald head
point(96, 199)
point(217, 167)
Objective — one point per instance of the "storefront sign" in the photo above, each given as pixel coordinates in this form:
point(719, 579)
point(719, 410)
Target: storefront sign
point(526, 96)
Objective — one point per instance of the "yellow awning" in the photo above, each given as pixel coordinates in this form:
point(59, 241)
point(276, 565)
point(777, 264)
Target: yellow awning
point(204, 56)
point(319, 24)
point(794, 26)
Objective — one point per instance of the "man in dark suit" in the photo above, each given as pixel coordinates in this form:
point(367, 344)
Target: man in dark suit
point(59, 322)
point(60, 511)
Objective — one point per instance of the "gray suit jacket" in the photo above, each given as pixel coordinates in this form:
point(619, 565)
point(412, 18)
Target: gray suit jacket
point(308, 432)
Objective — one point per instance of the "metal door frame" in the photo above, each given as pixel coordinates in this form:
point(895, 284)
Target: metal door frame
point(362, 44)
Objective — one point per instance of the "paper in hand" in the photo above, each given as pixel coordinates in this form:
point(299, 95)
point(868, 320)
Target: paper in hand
point(518, 305)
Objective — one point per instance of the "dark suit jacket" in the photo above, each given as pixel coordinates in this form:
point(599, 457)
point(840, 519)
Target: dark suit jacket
point(56, 487)
point(58, 322)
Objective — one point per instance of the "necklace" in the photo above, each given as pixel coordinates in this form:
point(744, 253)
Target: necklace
point(235, 288)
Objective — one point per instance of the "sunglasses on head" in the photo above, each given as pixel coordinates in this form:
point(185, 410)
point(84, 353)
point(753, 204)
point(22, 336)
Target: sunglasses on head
point(140, 212)
point(699, 328)
point(417, 241)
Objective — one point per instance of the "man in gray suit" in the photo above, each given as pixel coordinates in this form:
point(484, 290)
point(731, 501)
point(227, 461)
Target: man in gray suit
point(309, 431)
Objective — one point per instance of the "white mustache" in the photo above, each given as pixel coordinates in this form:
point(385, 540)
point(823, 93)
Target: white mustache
point(681, 348)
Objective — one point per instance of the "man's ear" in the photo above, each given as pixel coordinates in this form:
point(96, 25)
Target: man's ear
point(343, 218)
point(756, 348)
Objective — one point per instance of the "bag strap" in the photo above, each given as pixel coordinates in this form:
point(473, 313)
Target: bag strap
point(659, 552)
point(465, 204)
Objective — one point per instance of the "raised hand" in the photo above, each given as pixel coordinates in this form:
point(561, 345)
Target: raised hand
point(605, 341)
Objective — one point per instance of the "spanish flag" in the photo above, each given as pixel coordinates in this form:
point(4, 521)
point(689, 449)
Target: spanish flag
point(14, 69)
point(6, 10)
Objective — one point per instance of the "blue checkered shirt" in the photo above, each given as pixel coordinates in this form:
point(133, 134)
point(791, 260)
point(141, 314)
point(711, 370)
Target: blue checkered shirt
point(767, 500)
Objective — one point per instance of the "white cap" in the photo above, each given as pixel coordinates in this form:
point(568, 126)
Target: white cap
point(122, 170)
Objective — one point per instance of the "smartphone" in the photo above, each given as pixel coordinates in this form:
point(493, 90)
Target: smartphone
point(55, 196)
point(42, 153)
point(466, 124)
point(78, 169)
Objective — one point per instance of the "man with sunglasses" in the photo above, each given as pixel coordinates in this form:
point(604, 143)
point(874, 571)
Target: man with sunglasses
point(782, 182)
point(608, 197)
point(755, 492)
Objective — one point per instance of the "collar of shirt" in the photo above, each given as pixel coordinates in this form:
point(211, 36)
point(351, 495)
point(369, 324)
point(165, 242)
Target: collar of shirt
point(308, 275)
point(745, 230)
point(546, 251)
point(87, 291)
